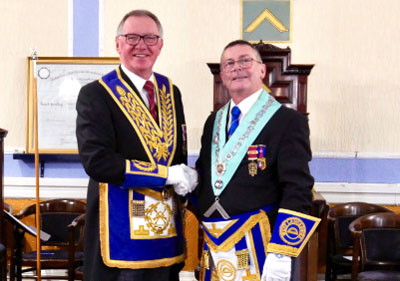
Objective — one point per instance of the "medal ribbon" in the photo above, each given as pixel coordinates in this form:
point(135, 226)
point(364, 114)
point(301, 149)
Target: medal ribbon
point(229, 153)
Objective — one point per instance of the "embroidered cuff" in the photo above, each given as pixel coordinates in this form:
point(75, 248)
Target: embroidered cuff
point(144, 174)
point(291, 232)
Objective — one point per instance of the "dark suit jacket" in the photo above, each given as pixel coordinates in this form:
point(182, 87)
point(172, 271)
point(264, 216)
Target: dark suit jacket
point(285, 182)
point(105, 140)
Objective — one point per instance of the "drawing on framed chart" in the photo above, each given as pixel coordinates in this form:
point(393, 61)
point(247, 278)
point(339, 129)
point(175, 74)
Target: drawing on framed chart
point(59, 80)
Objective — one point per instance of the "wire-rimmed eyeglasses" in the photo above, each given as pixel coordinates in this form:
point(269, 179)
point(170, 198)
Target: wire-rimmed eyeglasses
point(244, 63)
point(133, 39)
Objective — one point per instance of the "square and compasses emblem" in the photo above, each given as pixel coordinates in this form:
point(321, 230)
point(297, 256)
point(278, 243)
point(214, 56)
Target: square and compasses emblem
point(266, 20)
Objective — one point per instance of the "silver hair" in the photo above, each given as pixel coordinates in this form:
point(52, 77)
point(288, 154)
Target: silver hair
point(242, 42)
point(141, 13)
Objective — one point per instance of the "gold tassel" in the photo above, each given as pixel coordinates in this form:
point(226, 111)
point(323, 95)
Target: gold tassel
point(243, 259)
point(205, 259)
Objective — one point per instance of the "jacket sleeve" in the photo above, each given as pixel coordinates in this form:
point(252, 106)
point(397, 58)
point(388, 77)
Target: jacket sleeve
point(293, 170)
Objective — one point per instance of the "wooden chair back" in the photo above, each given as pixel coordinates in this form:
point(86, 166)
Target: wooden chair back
point(340, 241)
point(376, 247)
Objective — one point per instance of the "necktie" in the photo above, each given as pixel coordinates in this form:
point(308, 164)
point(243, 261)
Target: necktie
point(235, 113)
point(149, 87)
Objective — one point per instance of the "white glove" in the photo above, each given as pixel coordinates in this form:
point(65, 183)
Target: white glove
point(177, 175)
point(181, 178)
point(277, 267)
point(193, 177)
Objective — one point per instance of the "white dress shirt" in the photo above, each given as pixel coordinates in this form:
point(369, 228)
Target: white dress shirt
point(139, 84)
point(244, 106)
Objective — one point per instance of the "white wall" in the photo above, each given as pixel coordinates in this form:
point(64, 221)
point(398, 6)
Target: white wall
point(352, 94)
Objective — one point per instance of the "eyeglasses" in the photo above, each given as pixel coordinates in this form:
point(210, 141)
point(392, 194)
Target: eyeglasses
point(244, 63)
point(133, 39)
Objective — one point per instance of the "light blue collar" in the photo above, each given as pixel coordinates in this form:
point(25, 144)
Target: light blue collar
point(227, 155)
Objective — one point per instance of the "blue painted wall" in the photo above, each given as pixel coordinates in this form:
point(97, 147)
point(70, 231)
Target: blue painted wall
point(355, 170)
point(86, 28)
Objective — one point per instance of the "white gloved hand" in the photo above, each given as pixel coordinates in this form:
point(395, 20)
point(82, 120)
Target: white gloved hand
point(179, 178)
point(177, 175)
point(277, 267)
point(193, 177)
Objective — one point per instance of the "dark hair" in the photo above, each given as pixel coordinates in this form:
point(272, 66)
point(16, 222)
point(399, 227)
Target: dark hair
point(242, 42)
point(141, 13)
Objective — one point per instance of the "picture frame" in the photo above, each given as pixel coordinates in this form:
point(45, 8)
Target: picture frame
point(267, 21)
point(58, 82)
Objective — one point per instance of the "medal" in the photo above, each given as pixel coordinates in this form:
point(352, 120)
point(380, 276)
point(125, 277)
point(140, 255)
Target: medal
point(252, 156)
point(252, 168)
point(261, 161)
point(220, 168)
point(218, 184)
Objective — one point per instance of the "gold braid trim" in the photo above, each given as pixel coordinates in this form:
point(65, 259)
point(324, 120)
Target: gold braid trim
point(229, 243)
point(167, 122)
point(283, 249)
point(144, 166)
point(158, 195)
point(150, 134)
point(104, 241)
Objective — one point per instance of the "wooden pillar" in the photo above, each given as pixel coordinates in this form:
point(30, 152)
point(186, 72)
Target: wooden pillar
point(3, 134)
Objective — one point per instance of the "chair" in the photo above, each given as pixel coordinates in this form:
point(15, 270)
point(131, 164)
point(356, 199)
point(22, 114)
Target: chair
point(8, 207)
point(76, 227)
point(340, 241)
point(3, 247)
point(56, 215)
point(376, 247)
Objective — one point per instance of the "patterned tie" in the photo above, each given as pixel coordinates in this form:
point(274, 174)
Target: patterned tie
point(149, 87)
point(235, 113)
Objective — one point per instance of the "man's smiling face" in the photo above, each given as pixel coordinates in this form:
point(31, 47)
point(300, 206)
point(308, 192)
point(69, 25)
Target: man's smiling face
point(242, 81)
point(139, 58)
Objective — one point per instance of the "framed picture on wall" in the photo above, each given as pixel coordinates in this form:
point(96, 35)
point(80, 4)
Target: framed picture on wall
point(59, 80)
point(269, 21)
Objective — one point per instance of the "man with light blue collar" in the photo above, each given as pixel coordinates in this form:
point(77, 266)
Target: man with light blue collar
point(255, 189)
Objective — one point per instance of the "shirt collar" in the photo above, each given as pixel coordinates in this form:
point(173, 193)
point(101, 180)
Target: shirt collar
point(135, 79)
point(246, 104)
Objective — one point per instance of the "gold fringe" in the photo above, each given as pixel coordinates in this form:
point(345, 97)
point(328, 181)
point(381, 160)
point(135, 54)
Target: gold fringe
point(205, 259)
point(283, 249)
point(243, 259)
point(138, 208)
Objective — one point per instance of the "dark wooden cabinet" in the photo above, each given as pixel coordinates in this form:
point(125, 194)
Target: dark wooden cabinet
point(287, 82)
